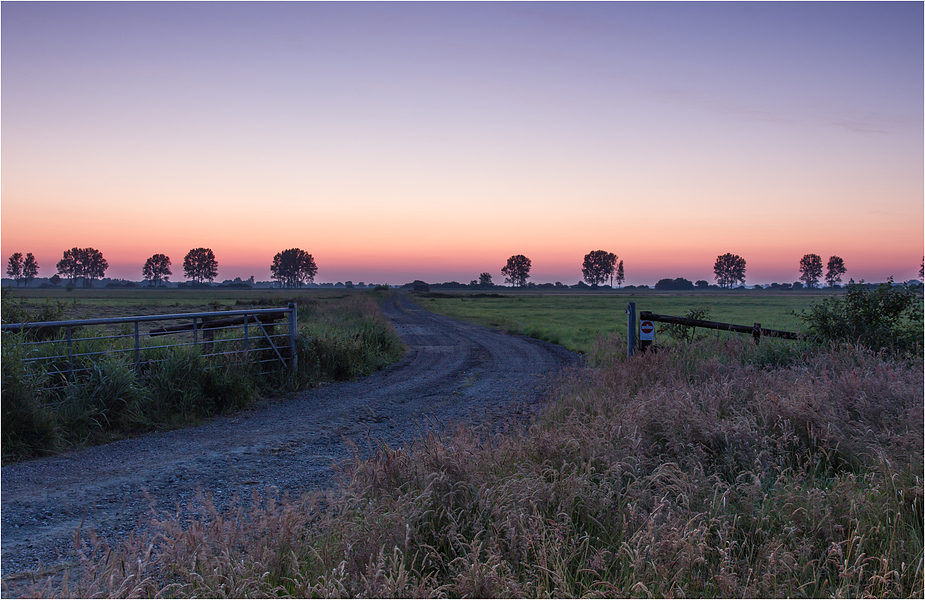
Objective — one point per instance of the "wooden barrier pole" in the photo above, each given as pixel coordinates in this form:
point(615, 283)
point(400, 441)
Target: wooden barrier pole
point(755, 329)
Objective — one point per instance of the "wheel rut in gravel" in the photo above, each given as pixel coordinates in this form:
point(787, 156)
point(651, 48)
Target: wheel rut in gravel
point(453, 372)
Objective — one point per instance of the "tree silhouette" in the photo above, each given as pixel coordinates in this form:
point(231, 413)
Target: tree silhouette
point(620, 276)
point(810, 270)
point(485, 279)
point(728, 269)
point(157, 269)
point(30, 268)
point(293, 267)
point(517, 270)
point(14, 267)
point(83, 262)
point(598, 266)
point(834, 270)
point(200, 265)
point(678, 283)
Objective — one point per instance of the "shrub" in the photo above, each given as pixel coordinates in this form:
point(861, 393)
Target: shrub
point(687, 333)
point(887, 317)
point(680, 284)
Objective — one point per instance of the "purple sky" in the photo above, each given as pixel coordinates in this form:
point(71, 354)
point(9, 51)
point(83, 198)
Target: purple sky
point(397, 141)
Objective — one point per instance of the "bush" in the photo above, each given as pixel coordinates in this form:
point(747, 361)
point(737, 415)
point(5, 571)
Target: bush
point(687, 333)
point(678, 284)
point(886, 317)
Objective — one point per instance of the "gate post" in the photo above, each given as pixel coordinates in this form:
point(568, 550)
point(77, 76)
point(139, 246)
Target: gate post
point(292, 336)
point(247, 319)
point(137, 348)
point(630, 329)
point(70, 358)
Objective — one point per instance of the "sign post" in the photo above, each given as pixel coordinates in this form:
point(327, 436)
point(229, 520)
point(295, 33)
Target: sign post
point(646, 334)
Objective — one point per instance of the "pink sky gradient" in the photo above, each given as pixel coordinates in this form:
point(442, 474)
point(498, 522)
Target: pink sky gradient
point(432, 141)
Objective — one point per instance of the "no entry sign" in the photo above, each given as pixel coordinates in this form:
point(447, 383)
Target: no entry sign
point(646, 330)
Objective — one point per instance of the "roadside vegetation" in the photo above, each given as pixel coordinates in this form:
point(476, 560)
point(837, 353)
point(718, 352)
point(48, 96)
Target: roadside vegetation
point(886, 317)
point(339, 337)
point(712, 468)
point(576, 320)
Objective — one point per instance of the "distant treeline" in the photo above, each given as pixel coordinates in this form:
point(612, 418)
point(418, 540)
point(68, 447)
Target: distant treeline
point(677, 284)
point(294, 268)
point(236, 283)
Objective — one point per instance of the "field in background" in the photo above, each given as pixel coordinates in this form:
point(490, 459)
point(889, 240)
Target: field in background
point(577, 320)
point(574, 320)
point(104, 303)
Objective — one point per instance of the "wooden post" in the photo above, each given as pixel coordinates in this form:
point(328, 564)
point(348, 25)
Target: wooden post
point(630, 329)
point(246, 340)
point(292, 337)
point(208, 337)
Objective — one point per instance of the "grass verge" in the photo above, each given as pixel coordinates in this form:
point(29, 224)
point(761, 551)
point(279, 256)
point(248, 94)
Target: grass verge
point(714, 469)
point(338, 338)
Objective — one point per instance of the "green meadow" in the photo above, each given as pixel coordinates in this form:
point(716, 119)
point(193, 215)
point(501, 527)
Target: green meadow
point(577, 320)
point(106, 303)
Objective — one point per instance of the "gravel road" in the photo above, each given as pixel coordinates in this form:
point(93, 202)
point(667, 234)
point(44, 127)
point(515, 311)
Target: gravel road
point(453, 372)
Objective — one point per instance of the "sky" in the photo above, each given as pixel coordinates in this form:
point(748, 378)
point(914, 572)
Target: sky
point(402, 141)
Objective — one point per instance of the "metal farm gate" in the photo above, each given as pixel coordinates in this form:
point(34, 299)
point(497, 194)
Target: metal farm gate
point(266, 337)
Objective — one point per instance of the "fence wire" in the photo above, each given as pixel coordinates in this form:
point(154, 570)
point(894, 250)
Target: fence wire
point(61, 350)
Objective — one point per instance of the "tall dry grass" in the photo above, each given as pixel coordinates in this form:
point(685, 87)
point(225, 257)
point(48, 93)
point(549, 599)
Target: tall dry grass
point(110, 398)
point(713, 470)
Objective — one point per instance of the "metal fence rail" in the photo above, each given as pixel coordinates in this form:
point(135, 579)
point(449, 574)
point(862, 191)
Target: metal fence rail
point(265, 337)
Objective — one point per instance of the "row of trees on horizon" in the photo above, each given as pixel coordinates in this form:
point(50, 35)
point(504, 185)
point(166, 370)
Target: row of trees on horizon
point(292, 267)
point(295, 267)
point(729, 269)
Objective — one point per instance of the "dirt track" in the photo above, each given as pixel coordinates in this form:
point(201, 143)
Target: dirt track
point(453, 372)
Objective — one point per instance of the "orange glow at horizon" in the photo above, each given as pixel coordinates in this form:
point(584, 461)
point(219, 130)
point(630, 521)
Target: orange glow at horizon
point(447, 143)
point(448, 240)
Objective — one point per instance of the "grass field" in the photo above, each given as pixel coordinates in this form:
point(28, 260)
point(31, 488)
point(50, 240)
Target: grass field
point(577, 320)
point(103, 303)
point(574, 320)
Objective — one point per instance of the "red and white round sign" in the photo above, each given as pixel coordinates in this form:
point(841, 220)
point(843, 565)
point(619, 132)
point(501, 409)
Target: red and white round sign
point(646, 330)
